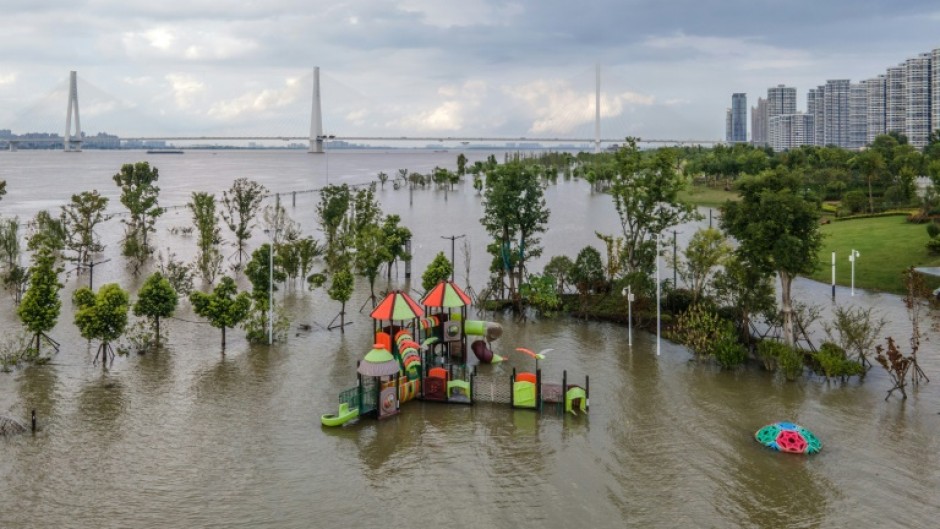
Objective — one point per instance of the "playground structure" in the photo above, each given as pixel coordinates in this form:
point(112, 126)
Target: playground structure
point(788, 437)
point(422, 353)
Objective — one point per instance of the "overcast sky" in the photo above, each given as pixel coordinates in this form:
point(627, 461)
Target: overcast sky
point(435, 67)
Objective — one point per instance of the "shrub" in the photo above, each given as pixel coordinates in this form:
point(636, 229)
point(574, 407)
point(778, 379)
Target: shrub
point(780, 356)
point(726, 349)
point(933, 229)
point(855, 201)
point(918, 218)
point(678, 300)
point(833, 362)
point(698, 328)
point(933, 246)
point(791, 363)
point(706, 334)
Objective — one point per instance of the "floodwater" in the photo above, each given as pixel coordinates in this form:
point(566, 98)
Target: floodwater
point(187, 437)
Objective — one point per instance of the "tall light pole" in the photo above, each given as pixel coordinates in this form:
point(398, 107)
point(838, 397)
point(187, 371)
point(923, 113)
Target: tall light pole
point(659, 320)
point(453, 262)
point(322, 139)
point(853, 256)
point(91, 272)
point(273, 233)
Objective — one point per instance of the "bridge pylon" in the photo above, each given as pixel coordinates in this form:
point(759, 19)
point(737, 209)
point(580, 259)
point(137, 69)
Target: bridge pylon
point(72, 143)
point(316, 116)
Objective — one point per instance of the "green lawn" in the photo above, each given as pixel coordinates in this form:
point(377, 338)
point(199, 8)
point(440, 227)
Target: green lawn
point(708, 196)
point(887, 245)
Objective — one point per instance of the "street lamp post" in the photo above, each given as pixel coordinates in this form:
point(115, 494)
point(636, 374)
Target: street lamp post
point(453, 262)
point(833, 276)
point(628, 293)
point(853, 256)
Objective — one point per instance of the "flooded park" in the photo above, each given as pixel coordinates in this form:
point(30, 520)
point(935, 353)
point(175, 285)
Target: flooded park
point(189, 437)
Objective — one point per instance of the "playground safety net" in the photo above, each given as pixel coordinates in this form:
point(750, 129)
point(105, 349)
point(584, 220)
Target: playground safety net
point(490, 388)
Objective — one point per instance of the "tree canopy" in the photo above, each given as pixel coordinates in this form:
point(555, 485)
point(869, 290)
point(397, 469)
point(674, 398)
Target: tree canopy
point(777, 230)
point(102, 316)
point(156, 299)
point(224, 307)
point(646, 195)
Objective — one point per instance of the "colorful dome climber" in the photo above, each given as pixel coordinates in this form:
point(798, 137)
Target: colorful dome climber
point(446, 294)
point(397, 306)
point(788, 437)
point(378, 363)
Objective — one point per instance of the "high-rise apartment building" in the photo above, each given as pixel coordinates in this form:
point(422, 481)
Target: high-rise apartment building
point(895, 108)
point(819, 116)
point(876, 108)
point(728, 125)
point(789, 131)
point(781, 100)
point(935, 90)
point(917, 100)
point(759, 123)
point(836, 103)
point(738, 118)
point(858, 115)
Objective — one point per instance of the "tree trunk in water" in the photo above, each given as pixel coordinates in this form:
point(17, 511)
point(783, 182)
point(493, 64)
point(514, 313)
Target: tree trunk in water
point(786, 281)
point(158, 329)
point(223, 340)
point(342, 318)
point(508, 267)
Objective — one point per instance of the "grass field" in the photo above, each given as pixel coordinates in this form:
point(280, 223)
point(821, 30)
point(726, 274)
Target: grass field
point(708, 196)
point(887, 245)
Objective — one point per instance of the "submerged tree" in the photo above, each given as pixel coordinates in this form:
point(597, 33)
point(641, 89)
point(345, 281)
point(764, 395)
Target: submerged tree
point(102, 316)
point(225, 307)
point(645, 192)
point(707, 251)
point(14, 276)
point(514, 214)
point(80, 217)
point(439, 269)
point(156, 299)
point(47, 232)
point(855, 330)
point(242, 202)
point(139, 195)
point(41, 305)
point(370, 255)
point(332, 211)
point(777, 230)
point(394, 239)
point(341, 290)
point(263, 279)
point(208, 259)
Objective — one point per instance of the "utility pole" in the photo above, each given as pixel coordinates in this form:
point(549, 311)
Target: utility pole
point(453, 263)
point(91, 272)
point(675, 262)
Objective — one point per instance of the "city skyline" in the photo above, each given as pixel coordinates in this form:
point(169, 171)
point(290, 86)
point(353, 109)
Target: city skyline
point(439, 67)
point(905, 99)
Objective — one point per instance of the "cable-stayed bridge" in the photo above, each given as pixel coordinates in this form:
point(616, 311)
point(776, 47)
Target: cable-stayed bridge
point(73, 139)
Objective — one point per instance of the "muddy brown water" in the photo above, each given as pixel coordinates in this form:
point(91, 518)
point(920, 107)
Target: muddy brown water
point(186, 437)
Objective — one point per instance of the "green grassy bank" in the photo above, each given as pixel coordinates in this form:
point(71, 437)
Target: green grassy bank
point(888, 245)
point(707, 196)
